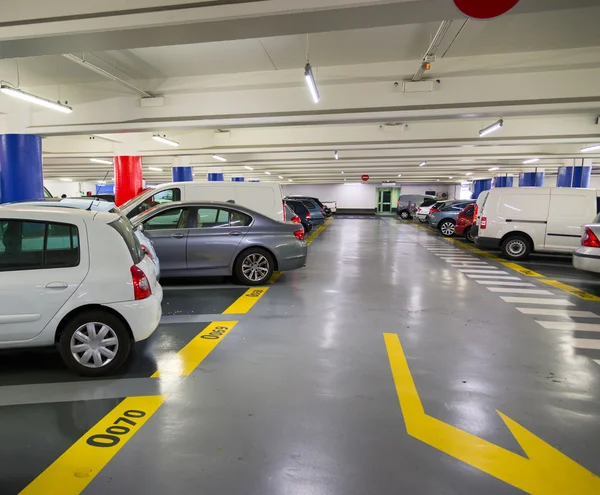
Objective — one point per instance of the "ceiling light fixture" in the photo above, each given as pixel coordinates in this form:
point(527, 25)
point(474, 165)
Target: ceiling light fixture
point(220, 158)
point(494, 168)
point(155, 169)
point(451, 177)
point(312, 84)
point(422, 164)
point(66, 179)
point(399, 175)
point(164, 140)
point(37, 100)
point(289, 180)
point(247, 167)
point(494, 127)
point(469, 173)
point(101, 160)
point(532, 160)
point(593, 147)
point(281, 176)
point(336, 155)
point(268, 173)
point(342, 171)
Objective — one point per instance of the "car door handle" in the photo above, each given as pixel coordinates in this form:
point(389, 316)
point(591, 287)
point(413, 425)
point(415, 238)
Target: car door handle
point(235, 232)
point(178, 236)
point(57, 285)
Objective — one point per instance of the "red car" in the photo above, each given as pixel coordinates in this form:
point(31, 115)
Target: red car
point(465, 221)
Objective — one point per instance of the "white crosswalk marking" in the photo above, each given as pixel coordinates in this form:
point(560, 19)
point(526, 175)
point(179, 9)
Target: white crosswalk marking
point(468, 270)
point(508, 290)
point(570, 325)
point(557, 312)
point(537, 300)
point(502, 282)
point(586, 344)
point(492, 276)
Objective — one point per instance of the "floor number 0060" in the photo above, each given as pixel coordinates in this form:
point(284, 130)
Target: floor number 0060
point(114, 432)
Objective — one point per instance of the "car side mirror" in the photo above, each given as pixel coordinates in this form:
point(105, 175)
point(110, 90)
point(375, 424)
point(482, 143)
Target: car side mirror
point(140, 227)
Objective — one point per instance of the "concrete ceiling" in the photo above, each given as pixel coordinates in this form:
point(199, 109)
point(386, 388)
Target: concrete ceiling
point(244, 97)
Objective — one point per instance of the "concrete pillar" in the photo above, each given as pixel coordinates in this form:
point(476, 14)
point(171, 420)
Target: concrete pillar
point(215, 175)
point(128, 178)
point(531, 179)
point(183, 174)
point(481, 185)
point(578, 176)
point(21, 176)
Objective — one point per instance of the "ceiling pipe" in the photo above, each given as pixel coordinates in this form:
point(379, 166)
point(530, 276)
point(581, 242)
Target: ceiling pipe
point(81, 61)
point(429, 56)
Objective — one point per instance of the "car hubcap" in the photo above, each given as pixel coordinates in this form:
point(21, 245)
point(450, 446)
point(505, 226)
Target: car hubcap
point(447, 228)
point(516, 248)
point(255, 267)
point(94, 345)
point(404, 215)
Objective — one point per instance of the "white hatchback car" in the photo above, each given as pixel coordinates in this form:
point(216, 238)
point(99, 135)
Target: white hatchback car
point(76, 279)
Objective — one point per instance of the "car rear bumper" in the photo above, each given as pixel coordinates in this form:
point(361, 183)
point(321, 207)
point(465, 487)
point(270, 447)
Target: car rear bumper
point(142, 316)
point(586, 262)
point(484, 242)
point(295, 260)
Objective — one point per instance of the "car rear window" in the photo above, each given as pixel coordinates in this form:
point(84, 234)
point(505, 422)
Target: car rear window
point(126, 231)
point(309, 205)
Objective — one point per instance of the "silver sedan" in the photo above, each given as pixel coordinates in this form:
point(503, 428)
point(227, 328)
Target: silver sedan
point(587, 257)
point(194, 239)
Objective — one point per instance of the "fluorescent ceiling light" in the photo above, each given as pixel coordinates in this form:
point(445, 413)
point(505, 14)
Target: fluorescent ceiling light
point(289, 180)
point(336, 155)
point(451, 177)
point(101, 160)
point(268, 173)
point(422, 164)
point(281, 176)
point(593, 147)
point(66, 179)
point(494, 168)
point(220, 158)
point(399, 175)
point(342, 171)
point(37, 100)
point(247, 167)
point(312, 85)
point(533, 160)
point(469, 173)
point(155, 169)
point(494, 127)
point(164, 140)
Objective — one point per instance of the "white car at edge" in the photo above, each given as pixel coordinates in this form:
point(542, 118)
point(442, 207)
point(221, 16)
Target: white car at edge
point(75, 279)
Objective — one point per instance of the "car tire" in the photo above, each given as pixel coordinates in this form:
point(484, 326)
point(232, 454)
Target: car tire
point(404, 215)
point(516, 247)
point(423, 220)
point(447, 227)
point(115, 340)
point(256, 258)
point(469, 234)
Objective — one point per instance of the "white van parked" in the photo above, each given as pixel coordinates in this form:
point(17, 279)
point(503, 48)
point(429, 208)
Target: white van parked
point(263, 197)
point(525, 219)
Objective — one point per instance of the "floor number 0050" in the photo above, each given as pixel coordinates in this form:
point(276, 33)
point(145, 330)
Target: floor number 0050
point(114, 432)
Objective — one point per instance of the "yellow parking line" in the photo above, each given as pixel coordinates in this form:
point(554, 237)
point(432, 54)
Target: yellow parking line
point(275, 277)
point(521, 269)
point(244, 303)
point(79, 465)
point(188, 358)
point(581, 294)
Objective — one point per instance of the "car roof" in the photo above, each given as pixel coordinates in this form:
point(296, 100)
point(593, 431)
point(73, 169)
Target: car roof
point(83, 203)
point(60, 213)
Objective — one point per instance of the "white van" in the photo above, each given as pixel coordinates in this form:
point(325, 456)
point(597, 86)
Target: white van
point(263, 197)
point(525, 219)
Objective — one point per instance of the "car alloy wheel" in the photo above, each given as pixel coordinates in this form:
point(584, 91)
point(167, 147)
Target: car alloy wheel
point(404, 215)
point(94, 345)
point(255, 267)
point(447, 229)
point(469, 235)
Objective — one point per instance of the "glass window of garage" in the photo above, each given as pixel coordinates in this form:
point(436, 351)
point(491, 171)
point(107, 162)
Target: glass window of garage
point(28, 245)
point(173, 218)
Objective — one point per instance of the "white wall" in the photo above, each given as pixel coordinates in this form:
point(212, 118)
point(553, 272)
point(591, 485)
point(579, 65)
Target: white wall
point(72, 189)
point(359, 195)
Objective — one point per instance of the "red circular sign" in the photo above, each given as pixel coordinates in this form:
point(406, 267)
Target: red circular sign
point(478, 9)
point(365, 178)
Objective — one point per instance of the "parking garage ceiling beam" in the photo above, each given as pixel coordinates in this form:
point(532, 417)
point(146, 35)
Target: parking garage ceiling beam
point(252, 20)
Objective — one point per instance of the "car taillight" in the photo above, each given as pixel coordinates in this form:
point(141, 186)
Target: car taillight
point(322, 212)
point(299, 234)
point(590, 239)
point(284, 213)
point(141, 285)
point(483, 224)
point(475, 211)
point(295, 219)
point(307, 215)
point(433, 210)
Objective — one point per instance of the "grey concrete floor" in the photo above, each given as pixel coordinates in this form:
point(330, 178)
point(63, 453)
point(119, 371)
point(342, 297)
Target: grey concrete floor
point(299, 398)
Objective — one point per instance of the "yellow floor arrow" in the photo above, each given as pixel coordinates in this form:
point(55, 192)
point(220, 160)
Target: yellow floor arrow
point(545, 470)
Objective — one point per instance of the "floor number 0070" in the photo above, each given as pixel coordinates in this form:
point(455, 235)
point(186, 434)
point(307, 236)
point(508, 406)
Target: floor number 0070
point(114, 432)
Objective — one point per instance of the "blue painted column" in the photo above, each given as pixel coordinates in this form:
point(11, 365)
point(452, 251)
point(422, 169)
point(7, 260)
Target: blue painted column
point(505, 181)
point(574, 176)
point(21, 176)
point(481, 185)
point(215, 175)
point(531, 179)
point(183, 174)
point(237, 179)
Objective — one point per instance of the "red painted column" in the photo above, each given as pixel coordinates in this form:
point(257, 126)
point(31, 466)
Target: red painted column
point(128, 178)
